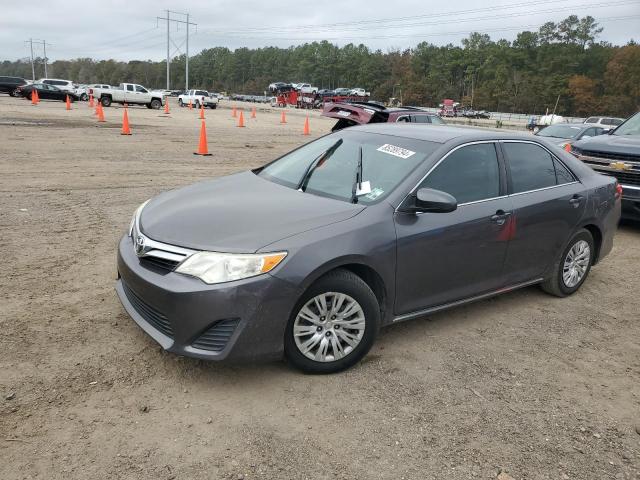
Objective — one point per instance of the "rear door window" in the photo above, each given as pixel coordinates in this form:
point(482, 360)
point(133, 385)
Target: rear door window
point(130, 88)
point(470, 173)
point(532, 167)
point(591, 120)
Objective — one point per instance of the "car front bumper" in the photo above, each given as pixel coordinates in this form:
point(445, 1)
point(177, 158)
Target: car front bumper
point(243, 320)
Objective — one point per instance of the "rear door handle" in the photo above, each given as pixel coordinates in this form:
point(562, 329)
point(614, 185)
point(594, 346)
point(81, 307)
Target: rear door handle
point(500, 217)
point(575, 200)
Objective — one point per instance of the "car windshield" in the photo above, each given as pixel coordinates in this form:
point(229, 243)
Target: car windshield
point(386, 161)
point(560, 131)
point(630, 127)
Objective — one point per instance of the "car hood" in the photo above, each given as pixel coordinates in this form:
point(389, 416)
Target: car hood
point(240, 213)
point(622, 144)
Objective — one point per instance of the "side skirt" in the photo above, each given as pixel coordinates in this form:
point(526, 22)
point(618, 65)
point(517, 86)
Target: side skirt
point(438, 308)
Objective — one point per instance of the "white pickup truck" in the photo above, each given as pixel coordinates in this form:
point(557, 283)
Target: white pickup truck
point(198, 97)
point(129, 93)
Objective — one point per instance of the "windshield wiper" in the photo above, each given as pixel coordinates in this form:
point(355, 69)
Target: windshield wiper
point(302, 186)
point(358, 180)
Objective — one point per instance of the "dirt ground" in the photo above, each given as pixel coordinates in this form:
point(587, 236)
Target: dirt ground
point(527, 384)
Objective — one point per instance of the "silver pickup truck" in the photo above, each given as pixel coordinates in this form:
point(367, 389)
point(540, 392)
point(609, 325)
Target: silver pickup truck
point(129, 93)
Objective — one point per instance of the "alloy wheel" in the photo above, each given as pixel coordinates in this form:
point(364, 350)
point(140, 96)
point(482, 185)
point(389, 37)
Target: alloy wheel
point(576, 263)
point(329, 327)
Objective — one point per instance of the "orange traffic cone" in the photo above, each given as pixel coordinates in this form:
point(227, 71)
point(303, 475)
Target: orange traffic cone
point(68, 103)
point(202, 146)
point(34, 97)
point(241, 119)
point(125, 123)
point(90, 101)
point(166, 107)
point(283, 117)
point(567, 147)
point(190, 105)
point(100, 113)
point(306, 131)
point(201, 112)
point(253, 112)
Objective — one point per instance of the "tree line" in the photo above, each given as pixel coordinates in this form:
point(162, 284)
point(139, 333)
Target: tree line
point(560, 62)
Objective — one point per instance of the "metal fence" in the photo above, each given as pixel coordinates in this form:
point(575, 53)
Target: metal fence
point(514, 117)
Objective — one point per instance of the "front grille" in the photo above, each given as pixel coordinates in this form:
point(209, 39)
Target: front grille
point(625, 178)
point(216, 337)
point(146, 311)
point(161, 265)
point(612, 156)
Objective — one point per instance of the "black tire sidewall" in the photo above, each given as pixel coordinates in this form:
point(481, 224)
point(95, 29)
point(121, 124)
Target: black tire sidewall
point(155, 104)
point(350, 284)
point(105, 101)
point(581, 235)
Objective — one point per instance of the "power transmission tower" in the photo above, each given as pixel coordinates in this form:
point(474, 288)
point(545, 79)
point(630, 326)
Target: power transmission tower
point(169, 41)
point(31, 41)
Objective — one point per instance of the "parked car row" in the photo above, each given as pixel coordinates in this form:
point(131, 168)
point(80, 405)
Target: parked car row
point(282, 87)
point(250, 98)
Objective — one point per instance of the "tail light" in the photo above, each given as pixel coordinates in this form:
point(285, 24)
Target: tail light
point(618, 191)
point(91, 91)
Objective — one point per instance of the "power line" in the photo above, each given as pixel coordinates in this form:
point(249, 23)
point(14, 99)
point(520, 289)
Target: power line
point(447, 22)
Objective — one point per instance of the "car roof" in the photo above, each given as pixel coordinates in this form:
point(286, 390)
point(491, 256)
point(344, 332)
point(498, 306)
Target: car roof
point(439, 133)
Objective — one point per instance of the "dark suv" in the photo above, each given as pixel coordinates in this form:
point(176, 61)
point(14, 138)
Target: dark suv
point(10, 84)
point(360, 113)
point(617, 155)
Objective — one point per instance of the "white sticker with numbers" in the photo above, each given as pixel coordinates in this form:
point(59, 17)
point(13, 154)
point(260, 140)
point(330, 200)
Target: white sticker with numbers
point(396, 151)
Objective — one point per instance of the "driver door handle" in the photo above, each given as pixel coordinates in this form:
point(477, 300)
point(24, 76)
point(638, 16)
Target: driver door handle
point(500, 217)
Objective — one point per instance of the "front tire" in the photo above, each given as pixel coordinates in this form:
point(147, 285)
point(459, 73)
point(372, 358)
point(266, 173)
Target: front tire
point(180, 102)
point(155, 104)
point(105, 101)
point(333, 325)
point(570, 272)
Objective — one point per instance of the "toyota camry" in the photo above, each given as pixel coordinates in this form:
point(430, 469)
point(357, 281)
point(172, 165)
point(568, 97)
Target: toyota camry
point(311, 254)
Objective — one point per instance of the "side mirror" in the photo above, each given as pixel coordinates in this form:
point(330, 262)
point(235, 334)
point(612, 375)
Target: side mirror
point(430, 200)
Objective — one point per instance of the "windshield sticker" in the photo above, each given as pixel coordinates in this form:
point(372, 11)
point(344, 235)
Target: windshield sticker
point(396, 151)
point(375, 193)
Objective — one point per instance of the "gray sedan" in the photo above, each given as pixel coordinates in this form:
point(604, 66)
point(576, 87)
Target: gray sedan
point(311, 254)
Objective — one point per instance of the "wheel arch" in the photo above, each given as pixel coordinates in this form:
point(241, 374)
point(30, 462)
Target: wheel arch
point(596, 233)
point(366, 272)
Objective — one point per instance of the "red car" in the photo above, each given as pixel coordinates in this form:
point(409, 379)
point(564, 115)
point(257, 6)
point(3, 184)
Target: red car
point(360, 113)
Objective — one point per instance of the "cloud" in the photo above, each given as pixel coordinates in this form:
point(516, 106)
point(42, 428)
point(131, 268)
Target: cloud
point(127, 30)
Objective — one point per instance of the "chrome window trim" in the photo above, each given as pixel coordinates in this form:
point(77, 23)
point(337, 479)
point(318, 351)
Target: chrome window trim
point(477, 142)
point(542, 189)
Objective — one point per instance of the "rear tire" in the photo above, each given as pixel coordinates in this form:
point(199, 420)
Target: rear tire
point(155, 104)
point(105, 101)
point(336, 322)
point(180, 102)
point(197, 104)
point(573, 267)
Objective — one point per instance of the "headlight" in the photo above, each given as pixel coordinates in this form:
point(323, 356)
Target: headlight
point(136, 217)
point(212, 267)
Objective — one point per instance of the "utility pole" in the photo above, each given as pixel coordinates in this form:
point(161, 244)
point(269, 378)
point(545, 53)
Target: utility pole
point(168, 59)
point(169, 41)
point(31, 41)
point(33, 69)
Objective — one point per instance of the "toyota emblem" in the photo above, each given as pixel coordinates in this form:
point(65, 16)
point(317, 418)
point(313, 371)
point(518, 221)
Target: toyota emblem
point(139, 245)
